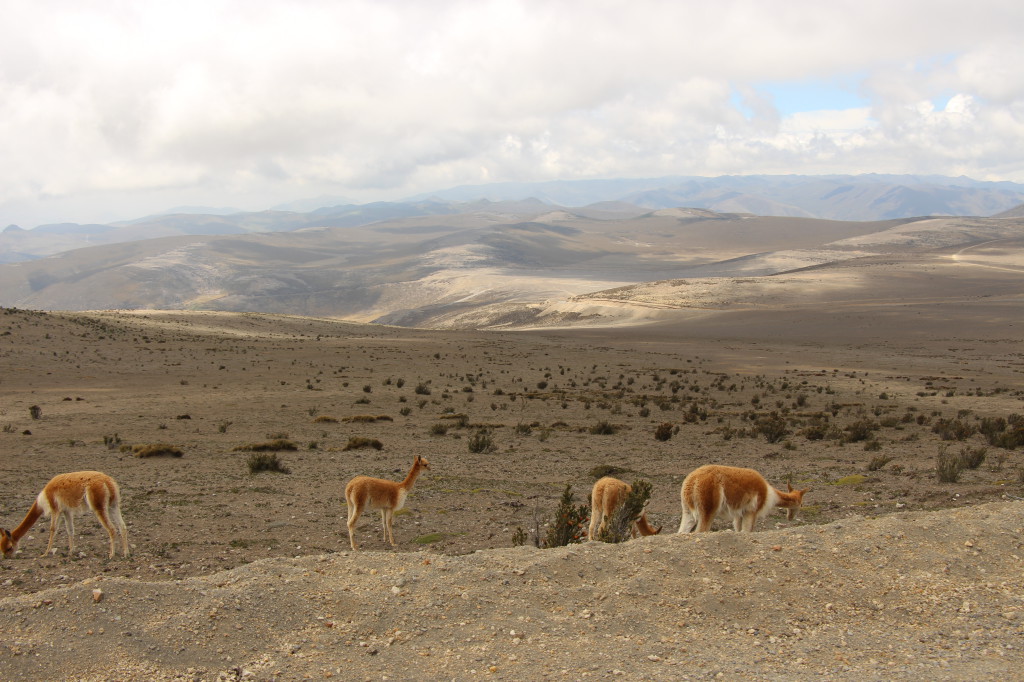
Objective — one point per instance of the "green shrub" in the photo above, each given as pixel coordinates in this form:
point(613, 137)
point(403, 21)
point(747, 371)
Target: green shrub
point(948, 467)
point(263, 461)
point(953, 429)
point(367, 419)
point(878, 462)
point(972, 458)
point(603, 428)
point(772, 427)
point(602, 470)
point(567, 526)
point(860, 430)
point(519, 537)
point(481, 442)
point(272, 445)
point(155, 450)
point(617, 529)
point(356, 442)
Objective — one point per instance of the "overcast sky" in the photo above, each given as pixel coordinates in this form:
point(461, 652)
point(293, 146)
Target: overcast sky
point(117, 109)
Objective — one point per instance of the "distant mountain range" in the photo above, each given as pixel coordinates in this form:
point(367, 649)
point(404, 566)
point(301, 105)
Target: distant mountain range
point(492, 264)
point(832, 197)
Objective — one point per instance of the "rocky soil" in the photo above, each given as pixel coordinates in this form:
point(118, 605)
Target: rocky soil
point(889, 573)
point(935, 595)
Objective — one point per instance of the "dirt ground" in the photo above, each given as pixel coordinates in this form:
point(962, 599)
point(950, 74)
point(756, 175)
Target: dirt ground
point(887, 573)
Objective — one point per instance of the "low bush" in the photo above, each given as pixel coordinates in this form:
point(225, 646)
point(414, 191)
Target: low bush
point(367, 419)
point(617, 528)
point(878, 462)
point(263, 461)
point(481, 442)
point(948, 467)
point(272, 445)
point(155, 450)
point(357, 442)
point(604, 428)
point(773, 427)
point(860, 430)
point(972, 458)
point(602, 470)
point(567, 526)
point(953, 429)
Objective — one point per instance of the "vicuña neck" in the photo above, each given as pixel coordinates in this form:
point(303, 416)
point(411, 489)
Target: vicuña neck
point(411, 477)
point(34, 512)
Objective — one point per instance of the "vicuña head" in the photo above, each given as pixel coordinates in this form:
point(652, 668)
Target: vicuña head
point(64, 495)
point(365, 492)
point(716, 490)
point(607, 496)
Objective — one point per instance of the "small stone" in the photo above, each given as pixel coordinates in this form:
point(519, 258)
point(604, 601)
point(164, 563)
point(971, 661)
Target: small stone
point(97, 595)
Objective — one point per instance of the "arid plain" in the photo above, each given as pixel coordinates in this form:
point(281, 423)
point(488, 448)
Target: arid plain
point(853, 390)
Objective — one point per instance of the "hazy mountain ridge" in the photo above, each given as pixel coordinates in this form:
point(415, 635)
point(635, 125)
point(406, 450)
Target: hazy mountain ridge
point(840, 197)
point(474, 270)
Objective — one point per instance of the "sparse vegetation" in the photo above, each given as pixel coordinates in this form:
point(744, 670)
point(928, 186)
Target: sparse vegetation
point(602, 470)
point(878, 462)
point(664, 431)
point(568, 525)
point(481, 442)
point(617, 529)
point(271, 445)
point(266, 461)
point(357, 442)
point(972, 458)
point(773, 427)
point(948, 467)
point(604, 428)
point(154, 450)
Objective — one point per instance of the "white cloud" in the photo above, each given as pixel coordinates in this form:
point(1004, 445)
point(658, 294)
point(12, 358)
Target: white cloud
point(122, 108)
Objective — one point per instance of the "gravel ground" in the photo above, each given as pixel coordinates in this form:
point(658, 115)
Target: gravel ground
point(933, 595)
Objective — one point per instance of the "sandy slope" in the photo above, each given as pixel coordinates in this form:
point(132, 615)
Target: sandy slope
point(924, 596)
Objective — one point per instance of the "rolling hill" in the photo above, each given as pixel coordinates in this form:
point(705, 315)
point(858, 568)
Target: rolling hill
point(841, 197)
point(491, 268)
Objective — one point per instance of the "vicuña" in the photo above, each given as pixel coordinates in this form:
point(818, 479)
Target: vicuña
point(715, 490)
point(365, 492)
point(608, 495)
point(65, 495)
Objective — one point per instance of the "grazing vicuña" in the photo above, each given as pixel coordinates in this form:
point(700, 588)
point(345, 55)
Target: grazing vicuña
point(66, 494)
point(365, 492)
point(714, 490)
point(608, 495)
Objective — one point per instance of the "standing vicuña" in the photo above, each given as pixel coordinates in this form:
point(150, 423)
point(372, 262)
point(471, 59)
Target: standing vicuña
point(66, 494)
point(365, 492)
point(607, 496)
point(714, 490)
